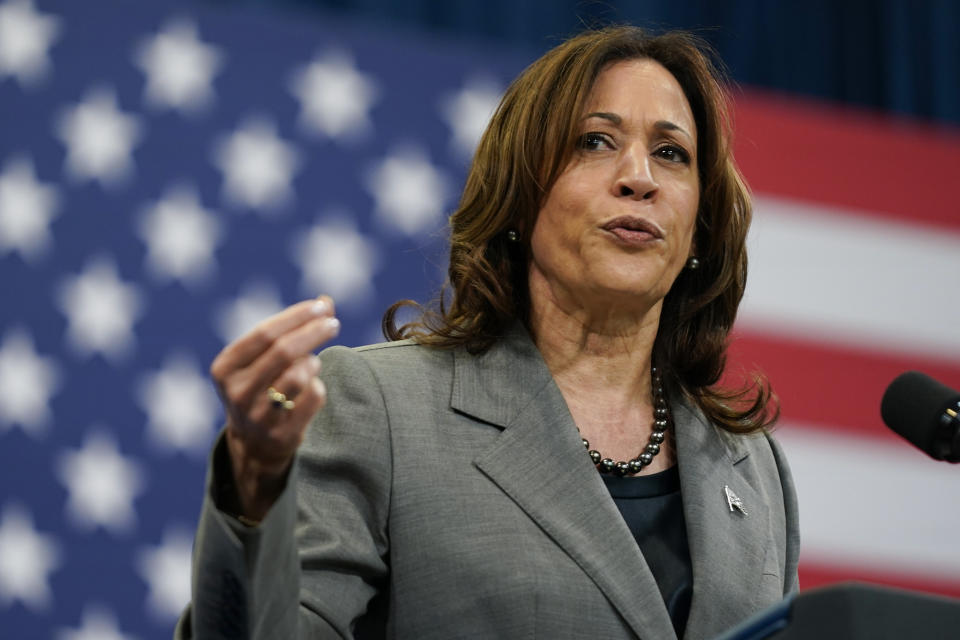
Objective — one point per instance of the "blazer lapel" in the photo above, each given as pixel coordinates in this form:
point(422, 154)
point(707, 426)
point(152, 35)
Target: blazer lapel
point(539, 461)
point(727, 545)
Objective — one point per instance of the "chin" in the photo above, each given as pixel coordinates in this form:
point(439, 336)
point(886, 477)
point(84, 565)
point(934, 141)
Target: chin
point(630, 279)
point(629, 293)
point(629, 289)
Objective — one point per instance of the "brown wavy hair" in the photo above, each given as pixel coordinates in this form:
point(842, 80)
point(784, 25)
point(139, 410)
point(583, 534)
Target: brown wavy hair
point(529, 142)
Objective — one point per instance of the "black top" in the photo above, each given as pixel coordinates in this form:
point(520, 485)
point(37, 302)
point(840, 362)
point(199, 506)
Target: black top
point(653, 509)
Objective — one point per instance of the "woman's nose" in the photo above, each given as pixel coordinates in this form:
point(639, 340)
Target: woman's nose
point(634, 177)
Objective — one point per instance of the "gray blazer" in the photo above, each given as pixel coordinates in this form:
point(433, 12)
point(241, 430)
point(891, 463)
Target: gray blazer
point(445, 495)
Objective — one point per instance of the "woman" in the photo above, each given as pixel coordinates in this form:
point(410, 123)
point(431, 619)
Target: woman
point(546, 456)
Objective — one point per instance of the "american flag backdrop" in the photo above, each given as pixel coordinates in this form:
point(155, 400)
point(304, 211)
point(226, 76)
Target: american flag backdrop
point(171, 173)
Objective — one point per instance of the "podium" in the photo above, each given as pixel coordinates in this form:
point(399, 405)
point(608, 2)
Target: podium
point(854, 611)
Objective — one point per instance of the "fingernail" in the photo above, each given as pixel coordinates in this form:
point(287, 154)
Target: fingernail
point(333, 325)
point(319, 307)
point(317, 364)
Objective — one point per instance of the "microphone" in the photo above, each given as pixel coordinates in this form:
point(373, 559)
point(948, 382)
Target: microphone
point(925, 412)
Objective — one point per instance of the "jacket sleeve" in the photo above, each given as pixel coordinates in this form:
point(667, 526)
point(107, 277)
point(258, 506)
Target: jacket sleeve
point(791, 581)
point(312, 566)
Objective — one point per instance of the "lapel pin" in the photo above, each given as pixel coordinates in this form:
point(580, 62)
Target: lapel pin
point(734, 501)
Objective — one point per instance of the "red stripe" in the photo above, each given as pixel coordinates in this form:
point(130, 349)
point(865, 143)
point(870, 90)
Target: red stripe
point(845, 157)
point(816, 575)
point(828, 385)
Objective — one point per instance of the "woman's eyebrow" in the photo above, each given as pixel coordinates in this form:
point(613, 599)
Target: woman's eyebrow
point(662, 125)
point(666, 125)
point(612, 117)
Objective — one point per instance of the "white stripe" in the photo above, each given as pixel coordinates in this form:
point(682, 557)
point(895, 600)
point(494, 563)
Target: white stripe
point(874, 504)
point(833, 276)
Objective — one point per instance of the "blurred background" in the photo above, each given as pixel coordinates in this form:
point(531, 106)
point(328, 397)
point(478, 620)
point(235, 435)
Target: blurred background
point(172, 172)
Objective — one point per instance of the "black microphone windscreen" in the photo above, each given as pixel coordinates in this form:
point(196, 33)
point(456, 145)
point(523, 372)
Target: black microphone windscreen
point(912, 406)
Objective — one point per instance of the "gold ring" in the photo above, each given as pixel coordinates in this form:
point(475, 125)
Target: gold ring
point(279, 400)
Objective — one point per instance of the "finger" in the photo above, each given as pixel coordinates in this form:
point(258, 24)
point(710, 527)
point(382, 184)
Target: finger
point(311, 399)
point(297, 377)
point(243, 386)
point(286, 427)
point(244, 350)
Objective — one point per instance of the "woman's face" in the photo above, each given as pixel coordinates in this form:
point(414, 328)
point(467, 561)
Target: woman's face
point(617, 226)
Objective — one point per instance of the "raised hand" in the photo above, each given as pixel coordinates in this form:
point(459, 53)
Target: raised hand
point(268, 382)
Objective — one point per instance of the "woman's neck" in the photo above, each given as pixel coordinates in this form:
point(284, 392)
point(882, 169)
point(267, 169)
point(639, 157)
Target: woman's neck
point(599, 353)
point(600, 359)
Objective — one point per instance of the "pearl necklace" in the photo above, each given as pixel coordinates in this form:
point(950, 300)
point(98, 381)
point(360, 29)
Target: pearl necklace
point(661, 420)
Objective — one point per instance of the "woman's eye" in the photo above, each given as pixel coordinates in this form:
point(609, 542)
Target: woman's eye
point(671, 153)
point(594, 141)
